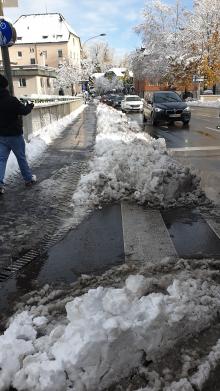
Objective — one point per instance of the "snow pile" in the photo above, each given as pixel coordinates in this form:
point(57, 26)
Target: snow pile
point(37, 145)
point(106, 332)
point(201, 103)
point(130, 165)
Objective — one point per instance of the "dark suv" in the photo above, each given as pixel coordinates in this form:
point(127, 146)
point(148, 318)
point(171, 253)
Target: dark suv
point(166, 106)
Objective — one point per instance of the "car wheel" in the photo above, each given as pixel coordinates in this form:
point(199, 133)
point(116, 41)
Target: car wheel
point(186, 122)
point(152, 120)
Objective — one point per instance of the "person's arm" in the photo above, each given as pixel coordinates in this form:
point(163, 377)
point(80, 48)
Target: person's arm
point(19, 108)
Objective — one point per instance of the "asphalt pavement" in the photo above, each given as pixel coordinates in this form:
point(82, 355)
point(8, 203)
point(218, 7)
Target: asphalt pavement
point(37, 249)
point(196, 145)
point(38, 245)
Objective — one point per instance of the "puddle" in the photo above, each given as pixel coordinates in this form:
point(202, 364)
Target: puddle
point(96, 245)
point(191, 235)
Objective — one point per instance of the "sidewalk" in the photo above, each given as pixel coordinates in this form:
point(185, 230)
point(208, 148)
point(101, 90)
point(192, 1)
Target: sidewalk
point(28, 215)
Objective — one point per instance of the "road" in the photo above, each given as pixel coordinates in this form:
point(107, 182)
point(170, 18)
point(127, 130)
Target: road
point(197, 145)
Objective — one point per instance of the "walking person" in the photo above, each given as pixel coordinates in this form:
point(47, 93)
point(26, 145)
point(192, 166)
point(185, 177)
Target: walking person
point(11, 134)
point(86, 96)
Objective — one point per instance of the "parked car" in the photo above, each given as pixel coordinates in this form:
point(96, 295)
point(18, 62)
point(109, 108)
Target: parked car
point(116, 102)
point(110, 99)
point(166, 106)
point(132, 103)
point(207, 92)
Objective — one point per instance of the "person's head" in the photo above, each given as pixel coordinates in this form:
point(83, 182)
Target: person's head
point(3, 82)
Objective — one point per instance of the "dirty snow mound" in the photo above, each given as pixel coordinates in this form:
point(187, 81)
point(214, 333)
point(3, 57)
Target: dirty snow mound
point(106, 332)
point(130, 165)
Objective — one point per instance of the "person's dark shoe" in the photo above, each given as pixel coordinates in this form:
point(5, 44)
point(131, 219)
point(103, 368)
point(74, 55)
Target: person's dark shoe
point(32, 182)
point(2, 189)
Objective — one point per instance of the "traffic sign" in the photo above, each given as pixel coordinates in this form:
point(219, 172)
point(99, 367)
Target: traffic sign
point(198, 79)
point(7, 33)
point(10, 3)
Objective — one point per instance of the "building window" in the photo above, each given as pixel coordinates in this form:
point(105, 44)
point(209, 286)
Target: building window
point(48, 82)
point(19, 38)
point(33, 61)
point(44, 36)
point(60, 53)
point(42, 82)
point(31, 50)
point(19, 54)
point(22, 82)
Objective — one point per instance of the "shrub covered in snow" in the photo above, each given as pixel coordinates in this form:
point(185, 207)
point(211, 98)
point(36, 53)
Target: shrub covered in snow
point(130, 165)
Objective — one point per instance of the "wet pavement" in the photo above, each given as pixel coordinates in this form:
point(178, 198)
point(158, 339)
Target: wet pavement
point(199, 143)
point(191, 235)
point(30, 215)
point(97, 243)
point(201, 132)
point(86, 250)
point(95, 246)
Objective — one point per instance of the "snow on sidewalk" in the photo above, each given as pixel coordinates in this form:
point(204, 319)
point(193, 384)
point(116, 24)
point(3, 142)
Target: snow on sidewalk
point(38, 144)
point(104, 335)
point(129, 164)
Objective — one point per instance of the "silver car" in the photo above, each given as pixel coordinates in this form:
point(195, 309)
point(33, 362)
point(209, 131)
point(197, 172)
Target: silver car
point(132, 103)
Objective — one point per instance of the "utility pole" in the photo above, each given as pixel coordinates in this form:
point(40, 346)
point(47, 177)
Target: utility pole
point(6, 60)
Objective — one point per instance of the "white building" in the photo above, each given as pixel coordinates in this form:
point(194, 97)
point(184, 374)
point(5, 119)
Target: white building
point(46, 40)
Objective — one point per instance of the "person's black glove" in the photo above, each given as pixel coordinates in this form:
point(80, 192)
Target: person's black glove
point(31, 105)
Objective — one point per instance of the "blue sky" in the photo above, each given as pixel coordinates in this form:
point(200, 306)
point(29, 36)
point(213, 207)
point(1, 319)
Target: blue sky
point(116, 18)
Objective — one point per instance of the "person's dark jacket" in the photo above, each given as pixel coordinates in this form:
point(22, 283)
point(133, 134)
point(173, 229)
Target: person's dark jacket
point(11, 110)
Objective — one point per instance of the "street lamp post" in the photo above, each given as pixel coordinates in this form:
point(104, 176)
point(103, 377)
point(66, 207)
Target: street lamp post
point(95, 36)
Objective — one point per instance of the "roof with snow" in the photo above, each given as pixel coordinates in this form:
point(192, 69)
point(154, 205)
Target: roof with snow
point(40, 28)
point(97, 75)
point(119, 72)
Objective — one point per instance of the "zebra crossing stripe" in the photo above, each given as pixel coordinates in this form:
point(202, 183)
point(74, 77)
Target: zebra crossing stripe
point(146, 237)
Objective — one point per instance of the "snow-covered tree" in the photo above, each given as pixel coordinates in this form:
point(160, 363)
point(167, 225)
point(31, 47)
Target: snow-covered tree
point(178, 43)
point(103, 84)
point(68, 75)
point(87, 68)
point(203, 31)
point(160, 33)
point(101, 56)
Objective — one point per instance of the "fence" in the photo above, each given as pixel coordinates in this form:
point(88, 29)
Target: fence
point(47, 111)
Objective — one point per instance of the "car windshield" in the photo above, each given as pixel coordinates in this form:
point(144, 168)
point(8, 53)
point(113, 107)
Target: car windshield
point(119, 97)
point(166, 97)
point(131, 98)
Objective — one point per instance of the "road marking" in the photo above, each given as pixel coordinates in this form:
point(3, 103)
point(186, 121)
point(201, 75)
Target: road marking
point(216, 130)
point(215, 227)
point(146, 237)
point(186, 149)
point(208, 116)
point(194, 151)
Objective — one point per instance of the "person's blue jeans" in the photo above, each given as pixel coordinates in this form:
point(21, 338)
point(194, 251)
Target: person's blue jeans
point(16, 144)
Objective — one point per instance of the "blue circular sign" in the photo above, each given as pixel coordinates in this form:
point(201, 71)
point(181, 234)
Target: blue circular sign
point(7, 33)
